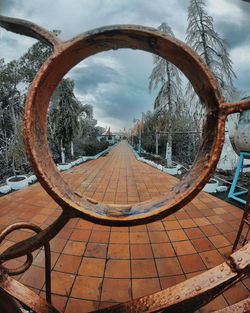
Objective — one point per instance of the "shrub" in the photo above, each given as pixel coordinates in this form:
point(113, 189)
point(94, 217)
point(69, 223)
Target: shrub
point(92, 148)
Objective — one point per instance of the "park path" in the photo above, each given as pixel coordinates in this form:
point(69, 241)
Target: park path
point(118, 177)
point(95, 266)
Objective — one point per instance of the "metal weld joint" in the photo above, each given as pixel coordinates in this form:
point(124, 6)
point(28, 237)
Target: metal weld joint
point(239, 261)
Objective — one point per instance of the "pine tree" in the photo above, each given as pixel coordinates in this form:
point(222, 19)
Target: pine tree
point(206, 42)
point(167, 102)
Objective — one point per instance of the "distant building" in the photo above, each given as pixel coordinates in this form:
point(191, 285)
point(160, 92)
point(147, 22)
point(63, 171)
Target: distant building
point(107, 136)
point(122, 134)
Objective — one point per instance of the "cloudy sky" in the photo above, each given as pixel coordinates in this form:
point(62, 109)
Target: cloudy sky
point(116, 82)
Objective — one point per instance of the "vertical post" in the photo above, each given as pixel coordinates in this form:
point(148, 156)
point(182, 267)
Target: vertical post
point(139, 147)
point(156, 143)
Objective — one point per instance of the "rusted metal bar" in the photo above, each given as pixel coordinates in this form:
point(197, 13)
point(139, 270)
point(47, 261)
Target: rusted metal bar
point(25, 295)
point(193, 293)
point(243, 222)
point(240, 307)
point(8, 304)
point(33, 243)
point(184, 297)
point(29, 29)
point(29, 260)
point(67, 55)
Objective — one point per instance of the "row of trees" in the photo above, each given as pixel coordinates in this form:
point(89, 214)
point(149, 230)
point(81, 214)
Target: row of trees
point(175, 103)
point(70, 123)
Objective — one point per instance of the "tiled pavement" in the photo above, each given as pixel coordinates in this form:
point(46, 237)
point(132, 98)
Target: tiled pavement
point(96, 266)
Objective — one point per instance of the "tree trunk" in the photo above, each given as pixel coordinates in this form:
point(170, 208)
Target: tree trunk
point(156, 143)
point(62, 153)
point(72, 149)
point(13, 167)
point(168, 156)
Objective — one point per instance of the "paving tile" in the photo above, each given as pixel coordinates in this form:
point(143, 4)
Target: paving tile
point(231, 236)
point(87, 288)
point(219, 241)
point(187, 223)
point(116, 290)
point(236, 293)
point(194, 233)
point(96, 250)
point(83, 306)
point(163, 250)
point(210, 230)
point(119, 237)
point(202, 244)
point(141, 251)
point(118, 251)
point(68, 263)
point(201, 221)
point(171, 280)
point(142, 287)
point(183, 247)
point(216, 304)
point(211, 258)
point(34, 277)
point(139, 237)
point(92, 267)
point(57, 244)
point(143, 268)
point(207, 224)
point(172, 225)
point(117, 269)
point(99, 236)
point(158, 237)
point(177, 235)
point(80, 235)
point(191, 263)
point(215, 219)
point(155, 226)
point(61, 283)
point(39, 260)
point(74, 248)
point(168, 266)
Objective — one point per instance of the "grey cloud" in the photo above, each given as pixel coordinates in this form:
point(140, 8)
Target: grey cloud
point(6, 5)
point(88, 78)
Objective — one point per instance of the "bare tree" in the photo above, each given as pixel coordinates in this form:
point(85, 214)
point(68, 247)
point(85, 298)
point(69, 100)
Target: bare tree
point(207, 43)
point(167, 102)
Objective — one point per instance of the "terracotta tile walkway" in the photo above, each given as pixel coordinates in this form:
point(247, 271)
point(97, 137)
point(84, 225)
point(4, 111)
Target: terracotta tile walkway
point(96, 266)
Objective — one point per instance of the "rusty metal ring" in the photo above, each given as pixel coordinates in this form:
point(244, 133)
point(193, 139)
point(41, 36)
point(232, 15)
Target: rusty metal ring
point(65, 56)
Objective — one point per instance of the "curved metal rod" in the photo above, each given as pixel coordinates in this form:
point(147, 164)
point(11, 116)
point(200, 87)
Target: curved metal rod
point(33, 243)
point(103, 39)
point(29, 260)
point(25, 295)
point(19, 270)
point(27, 28)
point(235, 107)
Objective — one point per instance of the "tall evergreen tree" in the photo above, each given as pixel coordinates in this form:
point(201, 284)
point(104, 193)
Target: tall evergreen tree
point(168, 100)
point(207, 43)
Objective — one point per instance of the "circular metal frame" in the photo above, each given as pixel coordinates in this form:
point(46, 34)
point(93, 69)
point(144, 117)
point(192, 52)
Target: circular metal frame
point(65, 56)
point(103, 39)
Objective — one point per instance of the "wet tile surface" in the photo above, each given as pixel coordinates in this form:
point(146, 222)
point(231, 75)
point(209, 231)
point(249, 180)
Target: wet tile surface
point(95, 266)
